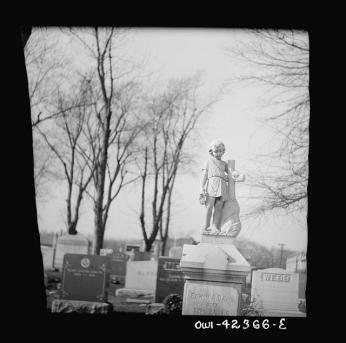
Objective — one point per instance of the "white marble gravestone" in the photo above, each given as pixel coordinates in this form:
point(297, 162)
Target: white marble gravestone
point(215, 271)
point(141, 275)
point(175, 252)
point(140, 281)
point(47, 256)
point(275, 292)
point(72, 244)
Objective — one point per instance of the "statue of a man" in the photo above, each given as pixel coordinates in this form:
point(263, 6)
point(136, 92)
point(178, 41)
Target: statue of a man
point(218, 193)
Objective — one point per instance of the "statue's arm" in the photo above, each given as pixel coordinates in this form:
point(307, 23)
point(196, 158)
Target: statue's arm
point(204, 179)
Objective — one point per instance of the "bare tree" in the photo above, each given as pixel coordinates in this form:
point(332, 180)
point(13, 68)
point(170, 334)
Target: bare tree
point(281, 63)
point(173, 115)
point(114, 127)
point(46, 64)
point(42, 63)
point(65, 144)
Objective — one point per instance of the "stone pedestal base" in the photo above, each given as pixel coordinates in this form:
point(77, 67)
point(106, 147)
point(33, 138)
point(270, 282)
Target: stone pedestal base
point(215, 277)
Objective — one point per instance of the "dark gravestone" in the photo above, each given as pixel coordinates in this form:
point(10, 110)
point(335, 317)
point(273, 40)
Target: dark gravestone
point(85, 277)
point(170, 279)
point(302, 285)
point(142, 256)
point(117, 268)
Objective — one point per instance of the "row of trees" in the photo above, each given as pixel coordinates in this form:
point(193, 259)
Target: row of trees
point(102, 130)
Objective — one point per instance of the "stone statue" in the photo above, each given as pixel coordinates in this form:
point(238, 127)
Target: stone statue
point(218, 193)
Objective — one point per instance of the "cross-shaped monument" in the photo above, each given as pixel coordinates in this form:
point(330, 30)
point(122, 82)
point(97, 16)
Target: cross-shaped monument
point(215, 271)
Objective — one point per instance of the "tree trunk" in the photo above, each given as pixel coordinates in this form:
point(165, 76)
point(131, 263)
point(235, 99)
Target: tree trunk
point(72, 228)
point(99, 228)
point(148, 244)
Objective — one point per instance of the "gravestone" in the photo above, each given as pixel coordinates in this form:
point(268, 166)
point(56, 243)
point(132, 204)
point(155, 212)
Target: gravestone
point(130, 248)
point(302, 285)
point(85, 277)
point(141, 255)
point(72, 244)
point(215, 271)
point(47, 256)
point(275, 291)
point(140, 284)
point(170, 279)
point(176, 252)
point(117, 268)
point(141, 275)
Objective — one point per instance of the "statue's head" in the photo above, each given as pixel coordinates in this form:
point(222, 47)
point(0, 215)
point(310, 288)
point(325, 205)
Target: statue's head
point(217, 148)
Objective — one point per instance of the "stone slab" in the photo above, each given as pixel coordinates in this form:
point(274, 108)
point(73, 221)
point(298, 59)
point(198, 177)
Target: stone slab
point(74, 306)
point(216, 239)
point(133, 293)
point(274, 313)
point(212, 256)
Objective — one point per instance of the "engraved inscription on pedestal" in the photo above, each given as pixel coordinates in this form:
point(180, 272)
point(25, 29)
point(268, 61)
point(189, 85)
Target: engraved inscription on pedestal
point(210, 298)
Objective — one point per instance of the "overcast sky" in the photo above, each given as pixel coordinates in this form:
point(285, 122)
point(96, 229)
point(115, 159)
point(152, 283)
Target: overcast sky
point(180, 53)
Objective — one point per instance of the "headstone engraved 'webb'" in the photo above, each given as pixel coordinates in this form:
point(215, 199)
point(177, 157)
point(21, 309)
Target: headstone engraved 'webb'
point(85, 277)
point(170, 279)
point(215, 271)
point(275, 292)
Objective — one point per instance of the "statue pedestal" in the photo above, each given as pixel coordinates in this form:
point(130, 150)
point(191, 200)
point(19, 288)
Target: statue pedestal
point(215, 276)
